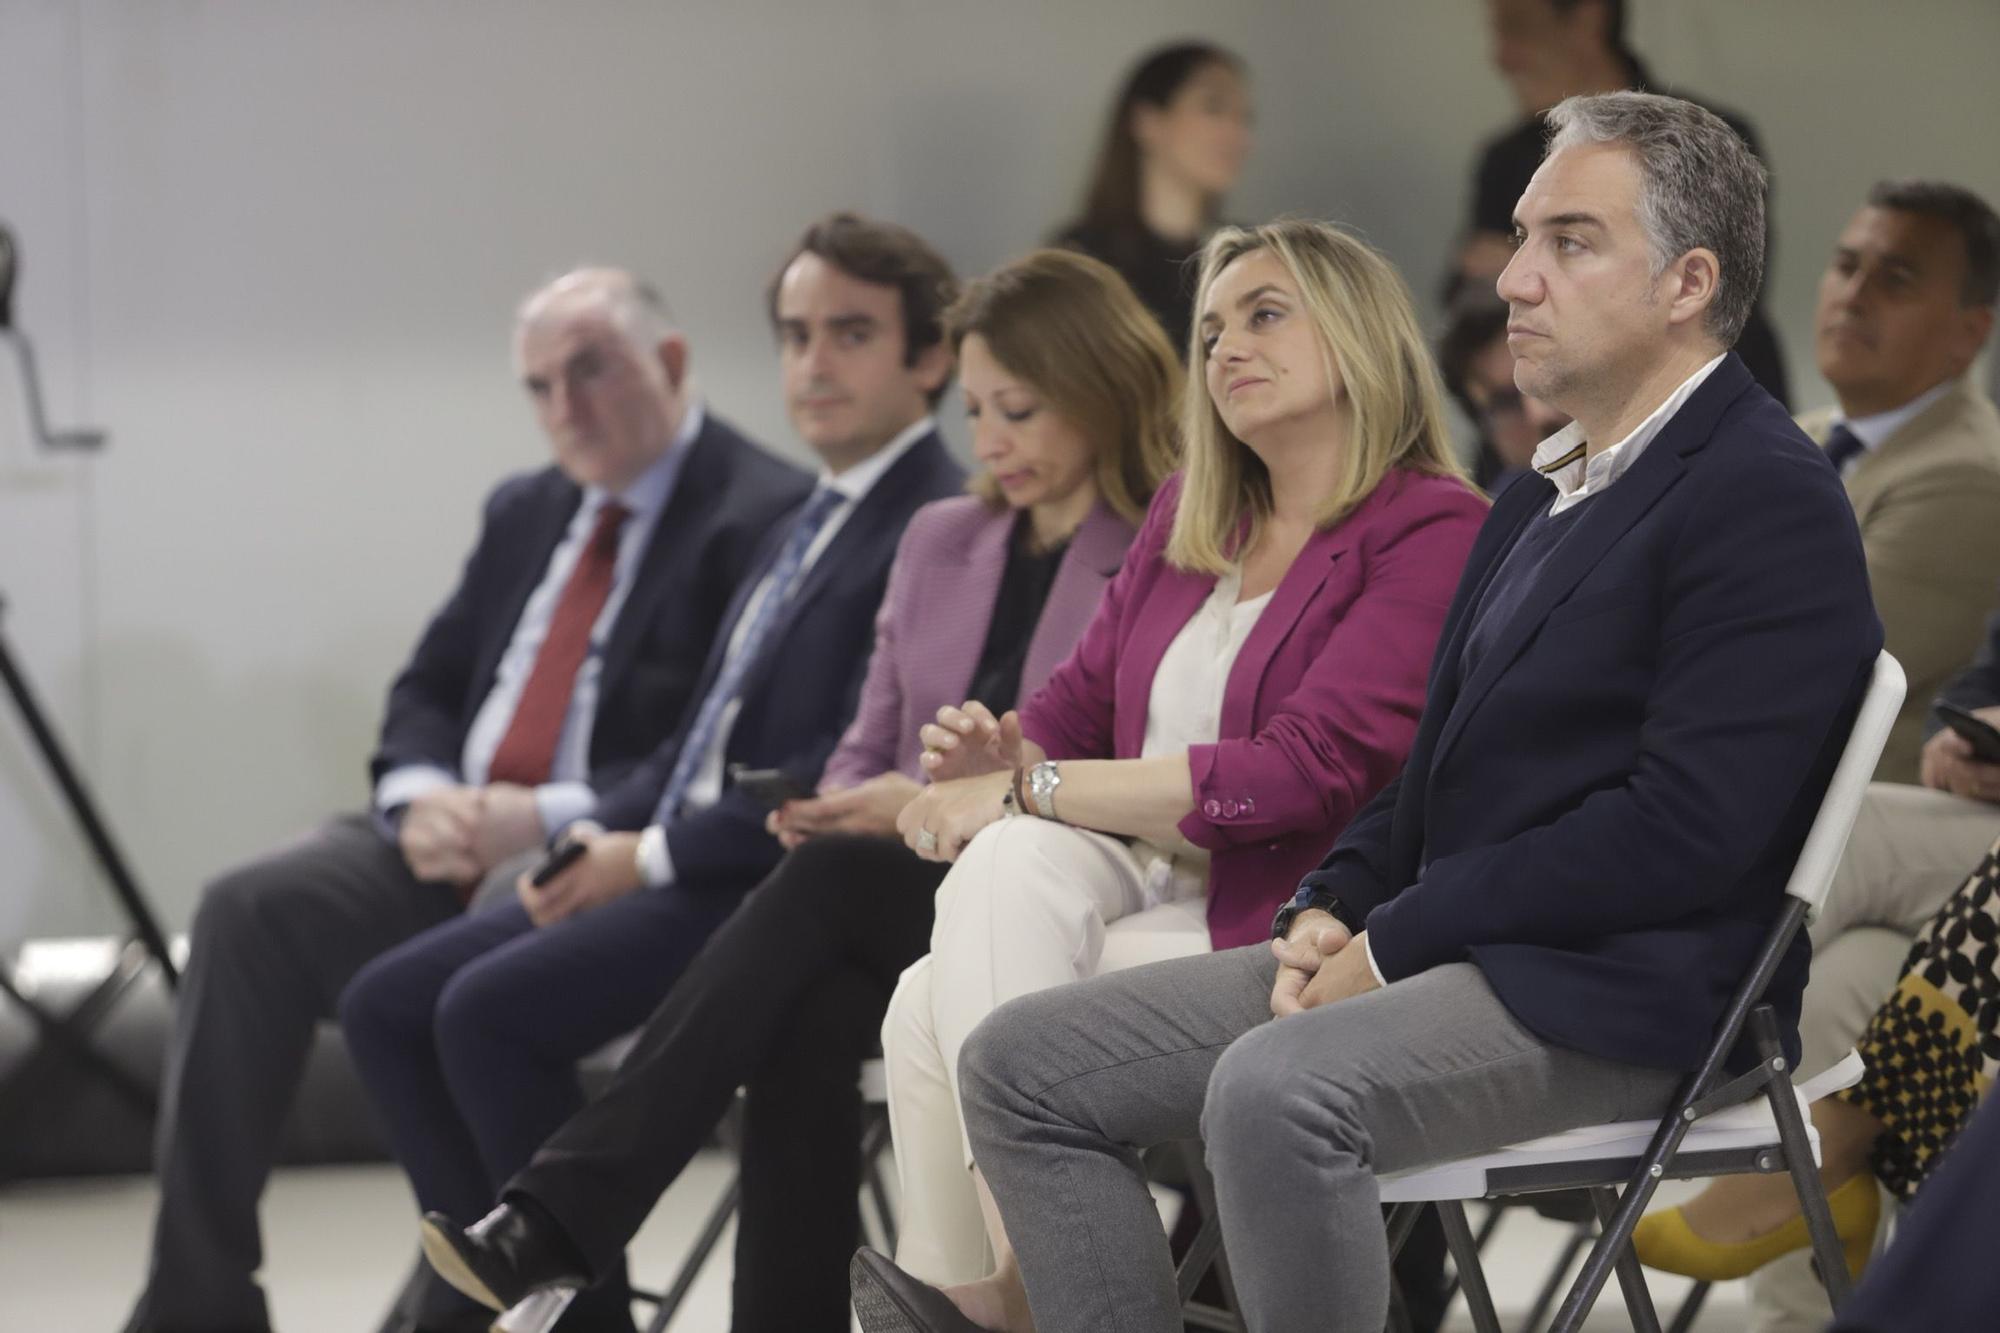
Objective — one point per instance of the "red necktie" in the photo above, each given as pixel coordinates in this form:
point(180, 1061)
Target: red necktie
point(528, 750)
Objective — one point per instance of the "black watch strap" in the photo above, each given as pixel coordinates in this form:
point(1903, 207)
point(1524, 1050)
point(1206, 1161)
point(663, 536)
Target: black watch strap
point(1317, 899)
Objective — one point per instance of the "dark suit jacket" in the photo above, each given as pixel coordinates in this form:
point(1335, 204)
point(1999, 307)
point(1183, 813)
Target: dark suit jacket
point(801, 690)
point(728, 495)
point(1604, 815)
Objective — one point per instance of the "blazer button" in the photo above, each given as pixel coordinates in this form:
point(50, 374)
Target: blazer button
point(1229, 809)
point(1249, 806)
point(1212, 808)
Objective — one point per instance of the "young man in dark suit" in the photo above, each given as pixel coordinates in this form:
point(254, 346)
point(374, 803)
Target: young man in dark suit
point(568, 650)
point(1639, 696)
point(467, 1036)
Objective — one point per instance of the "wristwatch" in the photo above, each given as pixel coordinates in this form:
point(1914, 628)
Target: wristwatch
point(1043, 779)
point(1320, 900)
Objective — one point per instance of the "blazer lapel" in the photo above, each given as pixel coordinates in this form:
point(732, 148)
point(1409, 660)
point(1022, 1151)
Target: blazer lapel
point(1094, 555)
point(1606, 520)
point(968, 588)
point(543, 533)
point(699, 481)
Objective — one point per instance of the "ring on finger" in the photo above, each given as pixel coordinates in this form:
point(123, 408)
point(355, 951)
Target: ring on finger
point(926, 840)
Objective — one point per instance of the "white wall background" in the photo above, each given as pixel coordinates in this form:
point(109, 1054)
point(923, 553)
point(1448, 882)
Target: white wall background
point(274, 248)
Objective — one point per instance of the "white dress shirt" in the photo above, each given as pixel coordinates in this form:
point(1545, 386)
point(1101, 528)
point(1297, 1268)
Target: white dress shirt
point(1577, 481)
point(656, 865)
point(567, 794)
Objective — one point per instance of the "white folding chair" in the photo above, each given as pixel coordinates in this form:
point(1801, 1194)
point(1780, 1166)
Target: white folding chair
point(1713, 1127)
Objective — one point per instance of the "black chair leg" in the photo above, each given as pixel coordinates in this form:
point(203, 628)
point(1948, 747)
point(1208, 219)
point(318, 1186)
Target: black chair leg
point(1631, 1277)
point(1690, 1308)
point(872, 1143)
point(697, 1259)
point(1805, 1171)
point(1465, 1257)
point(1579, 1236)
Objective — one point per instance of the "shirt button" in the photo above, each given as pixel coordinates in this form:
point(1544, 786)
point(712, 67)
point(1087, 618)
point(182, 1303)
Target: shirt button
point(1229, 809)
point(1212, 808)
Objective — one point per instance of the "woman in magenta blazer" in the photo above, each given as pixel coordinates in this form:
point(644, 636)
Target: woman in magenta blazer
point(1071, 390)
point(1252, 677)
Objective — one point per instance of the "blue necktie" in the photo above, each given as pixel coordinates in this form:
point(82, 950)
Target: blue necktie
point(1841, 445)
point(701, 736)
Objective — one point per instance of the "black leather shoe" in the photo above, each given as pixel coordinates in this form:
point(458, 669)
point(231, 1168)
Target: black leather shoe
point(888, 1300)
point(503, 1257)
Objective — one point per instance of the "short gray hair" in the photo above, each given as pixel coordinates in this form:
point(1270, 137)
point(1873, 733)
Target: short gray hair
point(634, 306)
point(1699, 186)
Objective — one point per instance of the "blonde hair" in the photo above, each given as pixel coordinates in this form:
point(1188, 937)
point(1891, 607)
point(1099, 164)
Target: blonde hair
point(1071, 328)
point(1367, 327)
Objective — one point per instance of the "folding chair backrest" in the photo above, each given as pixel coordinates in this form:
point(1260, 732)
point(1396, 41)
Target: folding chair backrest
point(1812, 875)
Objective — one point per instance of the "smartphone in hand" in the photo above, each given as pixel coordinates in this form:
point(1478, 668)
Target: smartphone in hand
point(769, 787)
point(561, 857)
point(1982, 735)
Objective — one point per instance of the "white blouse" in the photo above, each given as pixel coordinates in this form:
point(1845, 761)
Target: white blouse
point(1184, 710)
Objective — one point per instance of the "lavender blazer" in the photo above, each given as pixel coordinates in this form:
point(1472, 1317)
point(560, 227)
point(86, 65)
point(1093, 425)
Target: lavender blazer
point(1320, 708)
point(934, 618)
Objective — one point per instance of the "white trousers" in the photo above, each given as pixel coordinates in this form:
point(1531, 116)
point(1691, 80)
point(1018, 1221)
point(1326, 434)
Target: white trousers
point(1029, 904)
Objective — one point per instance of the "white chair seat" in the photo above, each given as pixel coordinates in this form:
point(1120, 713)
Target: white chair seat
point(1746, 1125)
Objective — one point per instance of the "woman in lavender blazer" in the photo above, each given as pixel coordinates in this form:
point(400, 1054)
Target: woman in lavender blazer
point(1071, 390)
point(1252, 677)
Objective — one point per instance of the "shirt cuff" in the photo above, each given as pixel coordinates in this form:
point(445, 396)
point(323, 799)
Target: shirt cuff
point(400, 786)
point(561, 803)
point(1368, 952)
point(656, 865)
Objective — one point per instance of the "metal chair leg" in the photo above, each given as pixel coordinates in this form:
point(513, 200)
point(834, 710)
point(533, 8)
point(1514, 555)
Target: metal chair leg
point(1487, 1226)
point(1804, 1169)
point(704, 1245)
point(1690, 1308)
point(1580, 1235)
point(1465, 1257)
point(1631, 1277)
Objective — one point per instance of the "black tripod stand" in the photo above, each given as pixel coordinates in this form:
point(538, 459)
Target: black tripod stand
point(67, 1038)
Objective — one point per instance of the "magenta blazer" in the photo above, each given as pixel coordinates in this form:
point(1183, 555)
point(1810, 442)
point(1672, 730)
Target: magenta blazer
point(1321, 706)
point(933, 623)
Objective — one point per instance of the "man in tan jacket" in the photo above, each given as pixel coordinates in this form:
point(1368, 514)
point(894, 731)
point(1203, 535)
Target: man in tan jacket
point(1904, 307)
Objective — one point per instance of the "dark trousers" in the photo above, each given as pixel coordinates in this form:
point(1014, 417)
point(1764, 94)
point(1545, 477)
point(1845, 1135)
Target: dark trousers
point(468, 1037)
point(786, 1002)
point(274, 942)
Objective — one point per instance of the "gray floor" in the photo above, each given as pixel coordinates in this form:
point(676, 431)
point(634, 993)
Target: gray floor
point(71, 1253)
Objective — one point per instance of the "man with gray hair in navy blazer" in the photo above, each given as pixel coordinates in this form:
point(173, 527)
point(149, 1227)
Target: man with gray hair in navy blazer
point(569, 649)
point(1641, 690)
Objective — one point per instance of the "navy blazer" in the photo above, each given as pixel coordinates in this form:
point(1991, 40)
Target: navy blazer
point(1604, 815)
point(728, 495)
point(802, 688)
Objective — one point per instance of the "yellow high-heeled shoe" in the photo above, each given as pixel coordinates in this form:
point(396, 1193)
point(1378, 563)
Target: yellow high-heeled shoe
point(1665, 1241)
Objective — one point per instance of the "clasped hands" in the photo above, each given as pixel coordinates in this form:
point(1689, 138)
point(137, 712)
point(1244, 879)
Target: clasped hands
point(970, 757)
point(455, 834)
point(1318, 963)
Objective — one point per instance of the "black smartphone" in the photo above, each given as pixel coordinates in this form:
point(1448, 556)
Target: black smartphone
point(769, 787)
point(1983, 736)
point(560, 858)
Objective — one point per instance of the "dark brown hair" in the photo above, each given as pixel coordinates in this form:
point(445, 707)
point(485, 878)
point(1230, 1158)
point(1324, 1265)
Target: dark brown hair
point(1111, 203)
point(1070, 327)
point(883, 253)
point(1967, 214)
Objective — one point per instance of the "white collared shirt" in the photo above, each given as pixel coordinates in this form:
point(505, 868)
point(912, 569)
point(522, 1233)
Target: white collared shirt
point(567, 794)
point(1577, 481)
point(655, 863)
point(1874, 431)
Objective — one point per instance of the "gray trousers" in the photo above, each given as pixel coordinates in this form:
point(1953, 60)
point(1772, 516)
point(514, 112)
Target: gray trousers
point(1062, 1088)
point(273, 944)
